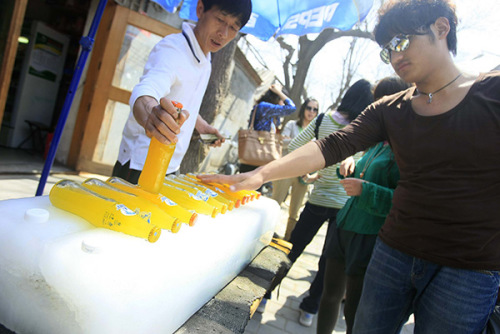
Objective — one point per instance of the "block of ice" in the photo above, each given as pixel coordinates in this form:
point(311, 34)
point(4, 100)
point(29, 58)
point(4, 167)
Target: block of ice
point(63, 275)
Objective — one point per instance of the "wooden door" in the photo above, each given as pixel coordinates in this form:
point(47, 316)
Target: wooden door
point(10, 47)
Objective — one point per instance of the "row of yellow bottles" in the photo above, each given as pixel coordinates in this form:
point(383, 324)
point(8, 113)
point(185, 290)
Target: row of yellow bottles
point(172, 180)
point(237, 202)
point(146, 208)
point(231, 204)
point(189, 200)
point(244, 196)
point(157, 161)
point(163, 202)
point(101, 211)
point(121, 206)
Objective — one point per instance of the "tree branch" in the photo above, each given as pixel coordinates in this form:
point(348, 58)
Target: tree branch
point(287, 63)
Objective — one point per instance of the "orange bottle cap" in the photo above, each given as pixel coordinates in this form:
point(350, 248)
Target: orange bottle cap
point(176, 226)
point(193, 219)
point(154, 234)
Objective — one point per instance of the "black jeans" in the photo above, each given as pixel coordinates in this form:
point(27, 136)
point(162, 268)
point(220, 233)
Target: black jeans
point(126, 173)
point(310, 221)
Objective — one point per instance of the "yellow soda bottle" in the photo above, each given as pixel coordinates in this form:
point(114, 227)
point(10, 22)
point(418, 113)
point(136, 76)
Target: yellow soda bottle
point(220, 190)
point(164, 203)
point(188, 200)
point(172, 180)
point(157, 161)
point(225, 188)
point(146, 209)
point(252, 194)
point(212, 194)
point(101, 211)
point(229, 202)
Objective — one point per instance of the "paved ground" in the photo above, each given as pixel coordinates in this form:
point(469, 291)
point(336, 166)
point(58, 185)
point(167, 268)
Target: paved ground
point(282, 313)
point(19, 177)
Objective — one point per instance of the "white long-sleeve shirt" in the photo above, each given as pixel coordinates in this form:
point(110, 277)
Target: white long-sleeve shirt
point(290, 131)
point(177, 69)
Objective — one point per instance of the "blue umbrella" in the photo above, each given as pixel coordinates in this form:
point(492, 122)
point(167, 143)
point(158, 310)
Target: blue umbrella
point(297, 17)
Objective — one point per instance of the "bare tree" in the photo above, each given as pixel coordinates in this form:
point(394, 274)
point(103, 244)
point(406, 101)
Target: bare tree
point(349, 68)
point(295, 74)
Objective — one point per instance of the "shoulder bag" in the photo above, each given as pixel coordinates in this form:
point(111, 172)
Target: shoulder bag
point(257, 148)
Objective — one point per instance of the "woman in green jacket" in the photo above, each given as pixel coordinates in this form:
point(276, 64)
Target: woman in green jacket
point(371, 185)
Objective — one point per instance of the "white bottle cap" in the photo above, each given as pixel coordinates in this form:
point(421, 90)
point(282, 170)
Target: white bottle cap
point(36, 215)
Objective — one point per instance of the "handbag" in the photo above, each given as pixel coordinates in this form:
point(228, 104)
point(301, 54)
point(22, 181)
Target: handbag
point(257, 148)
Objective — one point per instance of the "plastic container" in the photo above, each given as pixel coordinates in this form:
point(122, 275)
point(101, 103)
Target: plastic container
point(157, 161)
point(101, 211)
point(188, 200)
point(146, 209)
point(164, 203)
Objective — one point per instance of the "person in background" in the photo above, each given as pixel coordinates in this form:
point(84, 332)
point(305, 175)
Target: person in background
point(299, 185)
point(348, 250)
point(178, 68)
point(268, 110)
point(328, 196)
point(437, 254)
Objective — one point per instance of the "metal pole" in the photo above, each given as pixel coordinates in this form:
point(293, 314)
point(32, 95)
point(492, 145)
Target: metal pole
point(87, 43)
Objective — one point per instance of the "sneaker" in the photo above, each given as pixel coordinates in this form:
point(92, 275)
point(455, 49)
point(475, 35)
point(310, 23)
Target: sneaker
point(262, 305)
point(306, 318)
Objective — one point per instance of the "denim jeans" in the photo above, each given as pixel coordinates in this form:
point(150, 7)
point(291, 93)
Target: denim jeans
point(442, 299)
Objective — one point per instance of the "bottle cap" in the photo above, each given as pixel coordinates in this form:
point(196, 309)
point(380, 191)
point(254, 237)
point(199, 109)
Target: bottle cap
point(193, 219)
point(36, 215)
point(154, 234)
point(176, 226)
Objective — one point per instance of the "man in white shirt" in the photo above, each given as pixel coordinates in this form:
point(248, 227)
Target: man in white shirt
point(178, 69)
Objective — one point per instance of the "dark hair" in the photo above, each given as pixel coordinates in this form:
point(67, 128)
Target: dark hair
point(302, 111)
point(271, 97)
point(414, 17)
point(356, 99)
point(389, 86)
point(242, 9)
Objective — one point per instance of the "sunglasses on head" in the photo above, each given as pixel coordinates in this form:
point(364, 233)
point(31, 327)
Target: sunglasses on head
point(311, 109)
point(398, 43)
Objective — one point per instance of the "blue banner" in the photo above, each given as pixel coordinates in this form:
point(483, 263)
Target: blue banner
point(298, 17)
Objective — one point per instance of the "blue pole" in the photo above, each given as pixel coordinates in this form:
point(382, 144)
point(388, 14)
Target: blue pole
point(87, 43)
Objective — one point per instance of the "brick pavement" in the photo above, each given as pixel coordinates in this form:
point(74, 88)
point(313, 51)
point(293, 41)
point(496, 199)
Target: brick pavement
point(282, 312)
